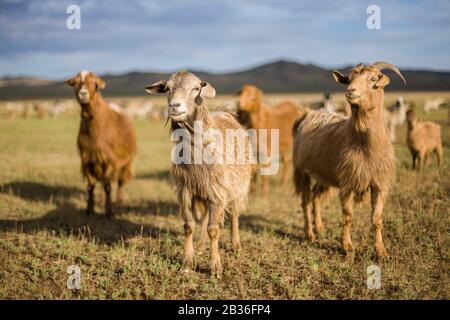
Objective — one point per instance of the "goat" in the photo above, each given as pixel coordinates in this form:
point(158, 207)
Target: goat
point(328, 105)
point(395, 115)
point(257, 115)
point(433, 104)
point(352, 154)
point(138, 109)
point(106, 140)
point(422, 138)
point(205, 191)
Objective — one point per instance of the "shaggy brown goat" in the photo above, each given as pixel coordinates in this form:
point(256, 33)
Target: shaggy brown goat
point(106, 140)
point(261, 116)
point(423, 138)
point(352, 154)
point(206, 191)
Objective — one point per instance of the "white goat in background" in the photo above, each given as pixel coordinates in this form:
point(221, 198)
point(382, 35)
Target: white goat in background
point(395, 115)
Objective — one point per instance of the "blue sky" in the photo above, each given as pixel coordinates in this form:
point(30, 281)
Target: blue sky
point(217, 35)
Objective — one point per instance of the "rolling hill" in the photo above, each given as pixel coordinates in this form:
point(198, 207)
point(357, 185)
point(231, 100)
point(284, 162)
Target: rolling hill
point(280, 76)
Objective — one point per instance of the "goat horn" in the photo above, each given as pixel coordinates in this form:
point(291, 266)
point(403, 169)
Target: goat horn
point(380, 65)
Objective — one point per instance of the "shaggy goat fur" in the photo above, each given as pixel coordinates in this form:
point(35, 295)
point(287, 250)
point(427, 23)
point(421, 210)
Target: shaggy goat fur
point(423, 138)
point(106, 140)
point(258, 115)
point(205, 191)
point(352, 154)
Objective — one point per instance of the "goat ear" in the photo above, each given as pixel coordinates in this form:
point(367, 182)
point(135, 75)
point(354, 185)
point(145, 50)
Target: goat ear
point(340, 78)
point(157, 87)
point(207, 90)
point(70, 82)
point(383, 81)
point(100, 83)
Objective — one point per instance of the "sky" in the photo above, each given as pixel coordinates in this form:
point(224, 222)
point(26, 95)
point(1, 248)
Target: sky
point(217, 35)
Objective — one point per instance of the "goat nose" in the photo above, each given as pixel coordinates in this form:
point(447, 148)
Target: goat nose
point(351, 90)
point(175, 105)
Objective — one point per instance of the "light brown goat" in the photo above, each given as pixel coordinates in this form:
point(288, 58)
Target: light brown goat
point(423, 138)
point(206, 190)
point(106, 140)
point(258, 116)
point(352, 154)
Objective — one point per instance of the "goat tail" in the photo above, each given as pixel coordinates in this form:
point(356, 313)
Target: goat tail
point(361, 196)
point(303, 112)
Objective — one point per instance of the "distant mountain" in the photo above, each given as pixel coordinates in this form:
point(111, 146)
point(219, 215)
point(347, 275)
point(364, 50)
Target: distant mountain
point(23, 81)
point(280, 76)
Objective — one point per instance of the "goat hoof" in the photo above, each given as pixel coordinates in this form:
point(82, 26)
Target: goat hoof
point(381, 252)
point(319, 229)
point(348, 247)
point(310, 236)
point(187, 266)
point(201, 249)
point(185, 271)
point(236, 247)
point(216, 270)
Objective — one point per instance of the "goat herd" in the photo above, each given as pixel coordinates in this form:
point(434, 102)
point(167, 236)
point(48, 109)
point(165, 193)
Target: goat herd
point(349, 150)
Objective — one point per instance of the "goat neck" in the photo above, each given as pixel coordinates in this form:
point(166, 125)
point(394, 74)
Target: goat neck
point(367, 121)
point(93, 107)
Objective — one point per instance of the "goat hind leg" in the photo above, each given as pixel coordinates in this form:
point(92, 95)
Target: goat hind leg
point(107, 189)
point(203, 235)
point(90, 192)
point(125, 175)
point(439, 155)
point(234, 226)
point(318, 192)
point(377, 199)
point(286, 164)
point(215, 216)
point(347, 214)
point(307, 208)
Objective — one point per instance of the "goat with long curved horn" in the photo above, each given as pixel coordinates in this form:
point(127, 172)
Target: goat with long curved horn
point(380, 65)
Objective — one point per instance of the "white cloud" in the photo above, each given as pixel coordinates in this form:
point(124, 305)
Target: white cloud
point(217, 35)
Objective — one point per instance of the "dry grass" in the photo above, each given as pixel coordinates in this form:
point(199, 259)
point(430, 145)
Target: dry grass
point(137, 256)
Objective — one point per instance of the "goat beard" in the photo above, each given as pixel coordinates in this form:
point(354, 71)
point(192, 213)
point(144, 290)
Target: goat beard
point(362, 117)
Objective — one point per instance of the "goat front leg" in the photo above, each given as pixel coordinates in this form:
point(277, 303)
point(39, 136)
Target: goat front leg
point(107, 189)
point(189, 228)
point(215, 217)
point(347, 214)
point(414, 160)
point(377, 200)
point(119, 192)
